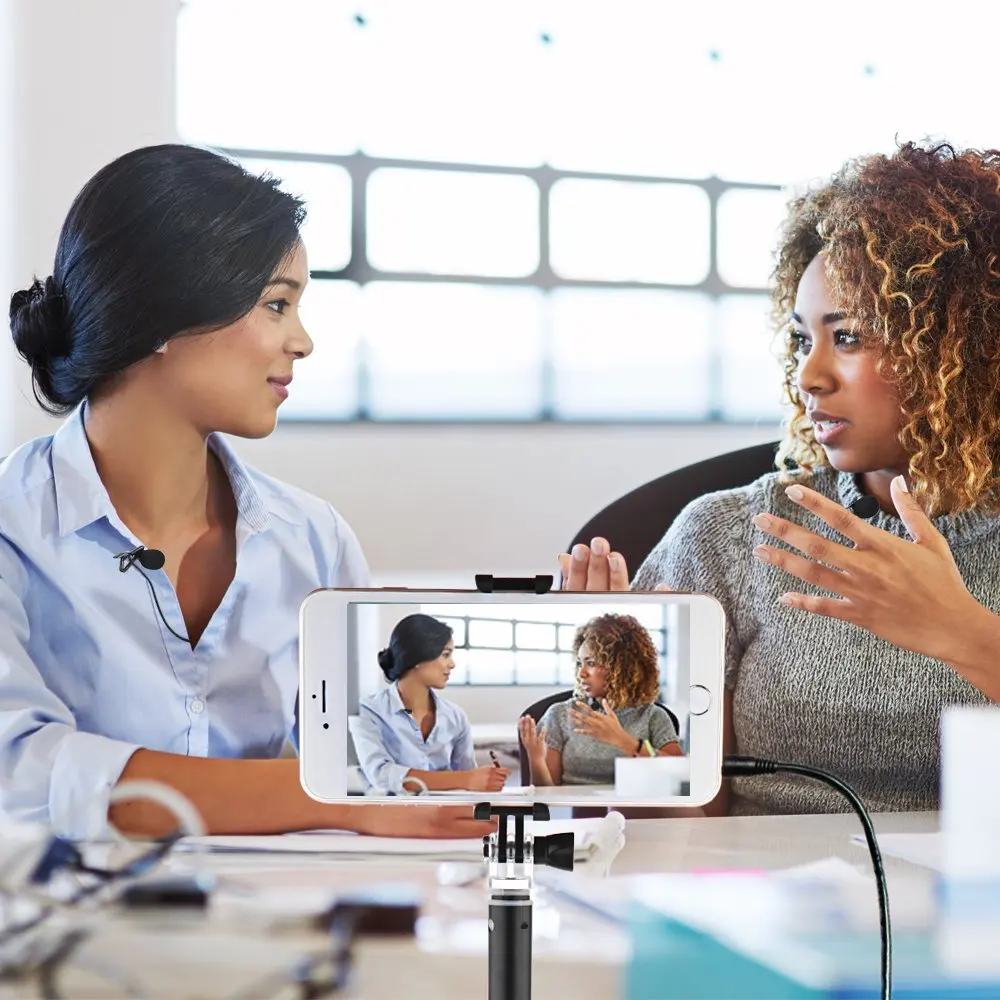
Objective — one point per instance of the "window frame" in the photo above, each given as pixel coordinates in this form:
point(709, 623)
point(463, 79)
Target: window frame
point(360, 271)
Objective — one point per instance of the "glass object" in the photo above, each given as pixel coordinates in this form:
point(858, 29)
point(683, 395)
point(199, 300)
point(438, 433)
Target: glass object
point(751, 371)
point(326, 190)
point(233, 93)
point(325, 386)
point(496, 634)
point(629, 231)
point(452, 222)
point(748, 232)
point(630, 354)
point(534, 667)
point(452, 351)
point(535, 635)
point(450, 81)
point(491, 666)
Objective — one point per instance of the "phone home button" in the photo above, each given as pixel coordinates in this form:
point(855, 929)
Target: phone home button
point(700, 699)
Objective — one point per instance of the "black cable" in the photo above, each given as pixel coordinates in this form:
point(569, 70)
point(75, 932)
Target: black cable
point(133, 564)
point(735, 766)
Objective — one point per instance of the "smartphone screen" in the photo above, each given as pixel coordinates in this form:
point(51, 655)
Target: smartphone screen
point(575, 699)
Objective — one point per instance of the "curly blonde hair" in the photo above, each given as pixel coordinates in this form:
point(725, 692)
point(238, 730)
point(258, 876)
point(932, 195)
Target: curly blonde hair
point(626, 649)
point(912, 243)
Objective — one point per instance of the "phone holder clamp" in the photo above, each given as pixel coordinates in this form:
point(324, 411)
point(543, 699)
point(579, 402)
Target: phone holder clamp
point(487, 583)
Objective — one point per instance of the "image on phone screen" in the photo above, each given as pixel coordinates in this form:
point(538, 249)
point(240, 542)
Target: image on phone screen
point(575, 699)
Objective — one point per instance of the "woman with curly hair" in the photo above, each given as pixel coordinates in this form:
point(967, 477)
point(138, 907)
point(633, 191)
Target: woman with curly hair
point(617, 668)
point(888, 292)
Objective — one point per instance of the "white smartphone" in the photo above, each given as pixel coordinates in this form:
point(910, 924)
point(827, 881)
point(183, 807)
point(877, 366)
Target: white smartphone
point(418, 695)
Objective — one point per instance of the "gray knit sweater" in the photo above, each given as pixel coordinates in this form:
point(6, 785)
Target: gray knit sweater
point(816, 690)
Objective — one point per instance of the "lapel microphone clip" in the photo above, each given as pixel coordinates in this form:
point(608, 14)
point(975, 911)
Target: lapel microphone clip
point(866, 507)
point(152, 559)
point(146, 558)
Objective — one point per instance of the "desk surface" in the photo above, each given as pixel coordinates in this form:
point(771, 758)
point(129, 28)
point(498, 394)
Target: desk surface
point(576, 953)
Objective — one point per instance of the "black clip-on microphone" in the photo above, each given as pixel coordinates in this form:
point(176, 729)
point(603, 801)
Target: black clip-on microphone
point(866, 507)
point(153, 559)
point(147, 558)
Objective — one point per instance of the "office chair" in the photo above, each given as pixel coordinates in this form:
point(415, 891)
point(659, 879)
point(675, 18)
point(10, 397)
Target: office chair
point(539, 708)
point(636, 522)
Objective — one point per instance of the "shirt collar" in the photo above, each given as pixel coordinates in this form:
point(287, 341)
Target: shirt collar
point(396, 702)
point(81, 498)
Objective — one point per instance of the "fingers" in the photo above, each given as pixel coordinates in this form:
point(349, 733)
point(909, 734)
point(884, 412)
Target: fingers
point(807, 542)
point(618, 578)
point(455, 821)
point(806, 570)
point(839, 518)
point(829, 607)
point(575, 578)
point(598, 573)
point(593, 567)
point(917, 523)
point(527, 729)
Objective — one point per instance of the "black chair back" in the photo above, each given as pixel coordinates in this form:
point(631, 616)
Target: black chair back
point(540, 707)
point(636, 522)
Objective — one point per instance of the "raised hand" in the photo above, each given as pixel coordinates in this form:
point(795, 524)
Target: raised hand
point(907, 592)
point(532, 737)
point(603, 726)
point(593, 567)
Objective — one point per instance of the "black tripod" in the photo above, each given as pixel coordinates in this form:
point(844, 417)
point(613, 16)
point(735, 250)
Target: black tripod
point(511, 860)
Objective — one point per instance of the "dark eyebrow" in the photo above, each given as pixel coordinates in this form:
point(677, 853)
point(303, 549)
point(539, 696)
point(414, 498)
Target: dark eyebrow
point(827, 319)
point(290, 282)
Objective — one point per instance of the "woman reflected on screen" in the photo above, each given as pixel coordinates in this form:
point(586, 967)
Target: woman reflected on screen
point(409, 738)
point(614, 712)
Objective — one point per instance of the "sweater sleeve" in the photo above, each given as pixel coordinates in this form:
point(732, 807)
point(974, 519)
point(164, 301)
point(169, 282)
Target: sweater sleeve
point(706, 551)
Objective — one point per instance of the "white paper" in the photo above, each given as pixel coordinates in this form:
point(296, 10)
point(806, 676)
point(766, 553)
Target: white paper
point(341, 842)
point(924, 849)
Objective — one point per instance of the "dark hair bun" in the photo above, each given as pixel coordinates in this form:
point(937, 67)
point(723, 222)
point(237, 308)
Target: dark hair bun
point(39, 323)
point(387, 662)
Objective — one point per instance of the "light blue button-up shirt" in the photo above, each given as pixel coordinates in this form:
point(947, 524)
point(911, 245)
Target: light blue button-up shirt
point(389, 742)
point(89, 674)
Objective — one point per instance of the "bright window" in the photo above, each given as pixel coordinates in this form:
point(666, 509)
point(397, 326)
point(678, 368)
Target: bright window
point(518, 644)
point(555, 211)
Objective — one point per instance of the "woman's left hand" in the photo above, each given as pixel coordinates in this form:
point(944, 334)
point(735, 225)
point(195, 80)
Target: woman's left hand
point(909, 593)
point(601, 726)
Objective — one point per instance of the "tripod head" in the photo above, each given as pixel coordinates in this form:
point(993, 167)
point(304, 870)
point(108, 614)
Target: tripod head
point(512, 855)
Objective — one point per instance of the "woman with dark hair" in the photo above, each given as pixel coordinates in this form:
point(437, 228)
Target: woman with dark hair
point(407, 737)
point(887, 296)
point(617, 669)
point(170, 319)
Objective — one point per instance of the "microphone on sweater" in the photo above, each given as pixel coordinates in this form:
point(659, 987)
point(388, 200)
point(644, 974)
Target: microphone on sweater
point(866, 507)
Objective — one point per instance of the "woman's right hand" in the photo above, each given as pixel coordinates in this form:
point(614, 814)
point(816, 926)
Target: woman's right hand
point(593, 567)
point(487, 779)
point(532, 737)
point(436, 822)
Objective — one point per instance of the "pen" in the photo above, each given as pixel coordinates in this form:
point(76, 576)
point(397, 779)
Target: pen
point(493, 757)
point(649, 747)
